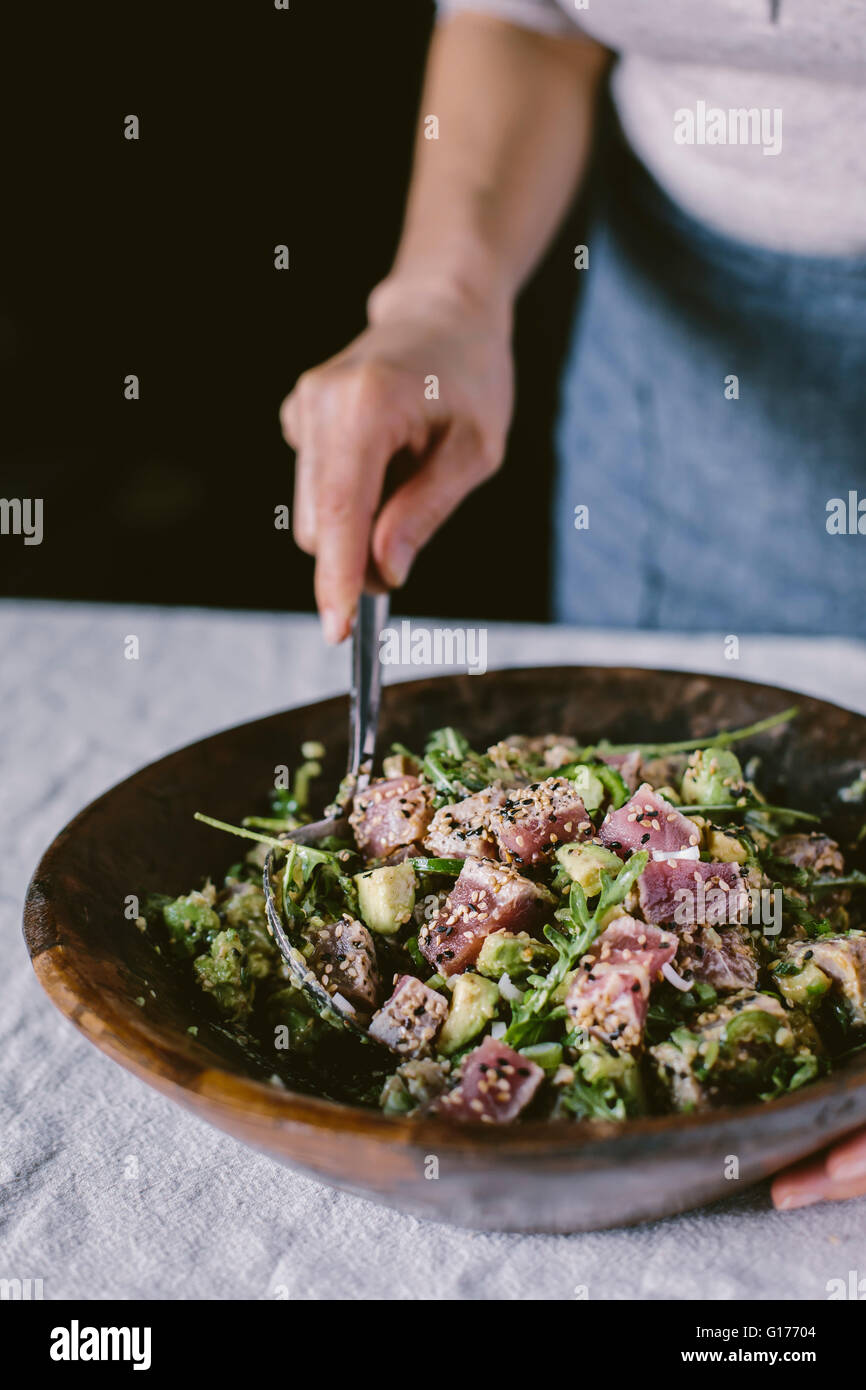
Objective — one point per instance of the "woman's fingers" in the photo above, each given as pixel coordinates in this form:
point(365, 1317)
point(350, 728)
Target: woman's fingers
point(831, 1177)
point(847, 1161)
point(457, 463)
point(290, 417)
point(358, 424)
point(369, 407)
point(303, 505)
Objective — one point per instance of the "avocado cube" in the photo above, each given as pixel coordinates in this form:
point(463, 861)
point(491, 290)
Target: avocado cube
point(725, 849)
point(192, 923)
point(584, 864)
point(474, 1002)
point(386, 897)
point(223, 973)
point(510, 953)
point(805, 989)
point(713, 778)
point(590, 788)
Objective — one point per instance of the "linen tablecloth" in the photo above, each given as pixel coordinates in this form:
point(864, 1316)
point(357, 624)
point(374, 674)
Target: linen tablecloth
point(109, 1190)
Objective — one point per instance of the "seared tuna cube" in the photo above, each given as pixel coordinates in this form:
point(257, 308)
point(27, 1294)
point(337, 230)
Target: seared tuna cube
point(557, 750)
point(609, 995)
point(816, 852)
point(487, 897)
point(725, 959)
point(409, 1021)
point(517, 753)
point(820, 855)
point(689, 891)
point(535, 820)
point(495, 1085)
point(345, 961)
point(627, 940)
point(389, 813)
point(462, 831)
point(843, 958)
point(648, 822)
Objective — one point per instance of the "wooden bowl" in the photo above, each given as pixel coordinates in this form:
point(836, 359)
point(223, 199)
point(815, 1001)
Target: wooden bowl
point(141, 837)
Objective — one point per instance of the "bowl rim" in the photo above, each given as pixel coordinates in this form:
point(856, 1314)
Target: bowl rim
point(210, 1085)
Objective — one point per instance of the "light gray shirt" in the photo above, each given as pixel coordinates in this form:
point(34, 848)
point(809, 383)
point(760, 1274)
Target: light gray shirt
point(751, 114)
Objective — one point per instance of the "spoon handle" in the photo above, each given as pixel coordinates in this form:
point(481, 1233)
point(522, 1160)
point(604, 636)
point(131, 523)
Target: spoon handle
point(366, 685)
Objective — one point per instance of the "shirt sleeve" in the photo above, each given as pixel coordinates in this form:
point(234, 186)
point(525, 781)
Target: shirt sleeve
point(544, 16)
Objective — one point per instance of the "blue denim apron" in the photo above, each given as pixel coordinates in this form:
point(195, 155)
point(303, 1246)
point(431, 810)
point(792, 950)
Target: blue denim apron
point(707, 503)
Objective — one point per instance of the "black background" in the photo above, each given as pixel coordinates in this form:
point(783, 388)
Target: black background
point(155, 257)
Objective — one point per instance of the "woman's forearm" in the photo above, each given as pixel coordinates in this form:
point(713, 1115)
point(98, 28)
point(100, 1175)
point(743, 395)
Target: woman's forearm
point(515, 115)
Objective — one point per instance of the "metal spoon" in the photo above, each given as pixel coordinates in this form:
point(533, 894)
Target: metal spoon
point(363, 724)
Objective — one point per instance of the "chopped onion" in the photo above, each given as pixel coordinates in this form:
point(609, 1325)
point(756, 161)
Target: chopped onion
point(673, 978)
point(498, 1030)
point(508, 990)
point(692, 852)
point(342, 1004)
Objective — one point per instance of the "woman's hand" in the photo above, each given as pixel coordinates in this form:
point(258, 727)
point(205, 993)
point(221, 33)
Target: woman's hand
point(838, 1173)
point(429, 381)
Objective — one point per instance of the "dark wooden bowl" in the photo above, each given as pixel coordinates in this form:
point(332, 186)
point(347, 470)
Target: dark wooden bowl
point(140, 837)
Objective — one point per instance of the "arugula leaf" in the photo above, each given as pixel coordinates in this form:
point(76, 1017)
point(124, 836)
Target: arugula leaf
point(854, 878)
point(452, 765)
point(448, 740)
point(812, 925)
point(423, 865)
point(671, 1008)
point(586, 1102)
point(322, 872)
point(604, 1086)
point(792, 1073)
point(719, 740)
point(530, 1017)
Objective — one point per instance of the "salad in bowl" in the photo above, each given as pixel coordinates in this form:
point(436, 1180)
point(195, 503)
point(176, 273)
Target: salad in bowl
point(542, 929)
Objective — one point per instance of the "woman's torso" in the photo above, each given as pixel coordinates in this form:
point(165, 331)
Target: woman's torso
point(783, 76)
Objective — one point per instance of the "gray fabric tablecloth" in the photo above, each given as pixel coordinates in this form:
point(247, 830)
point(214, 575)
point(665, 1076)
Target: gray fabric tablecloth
point(108, 1190)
